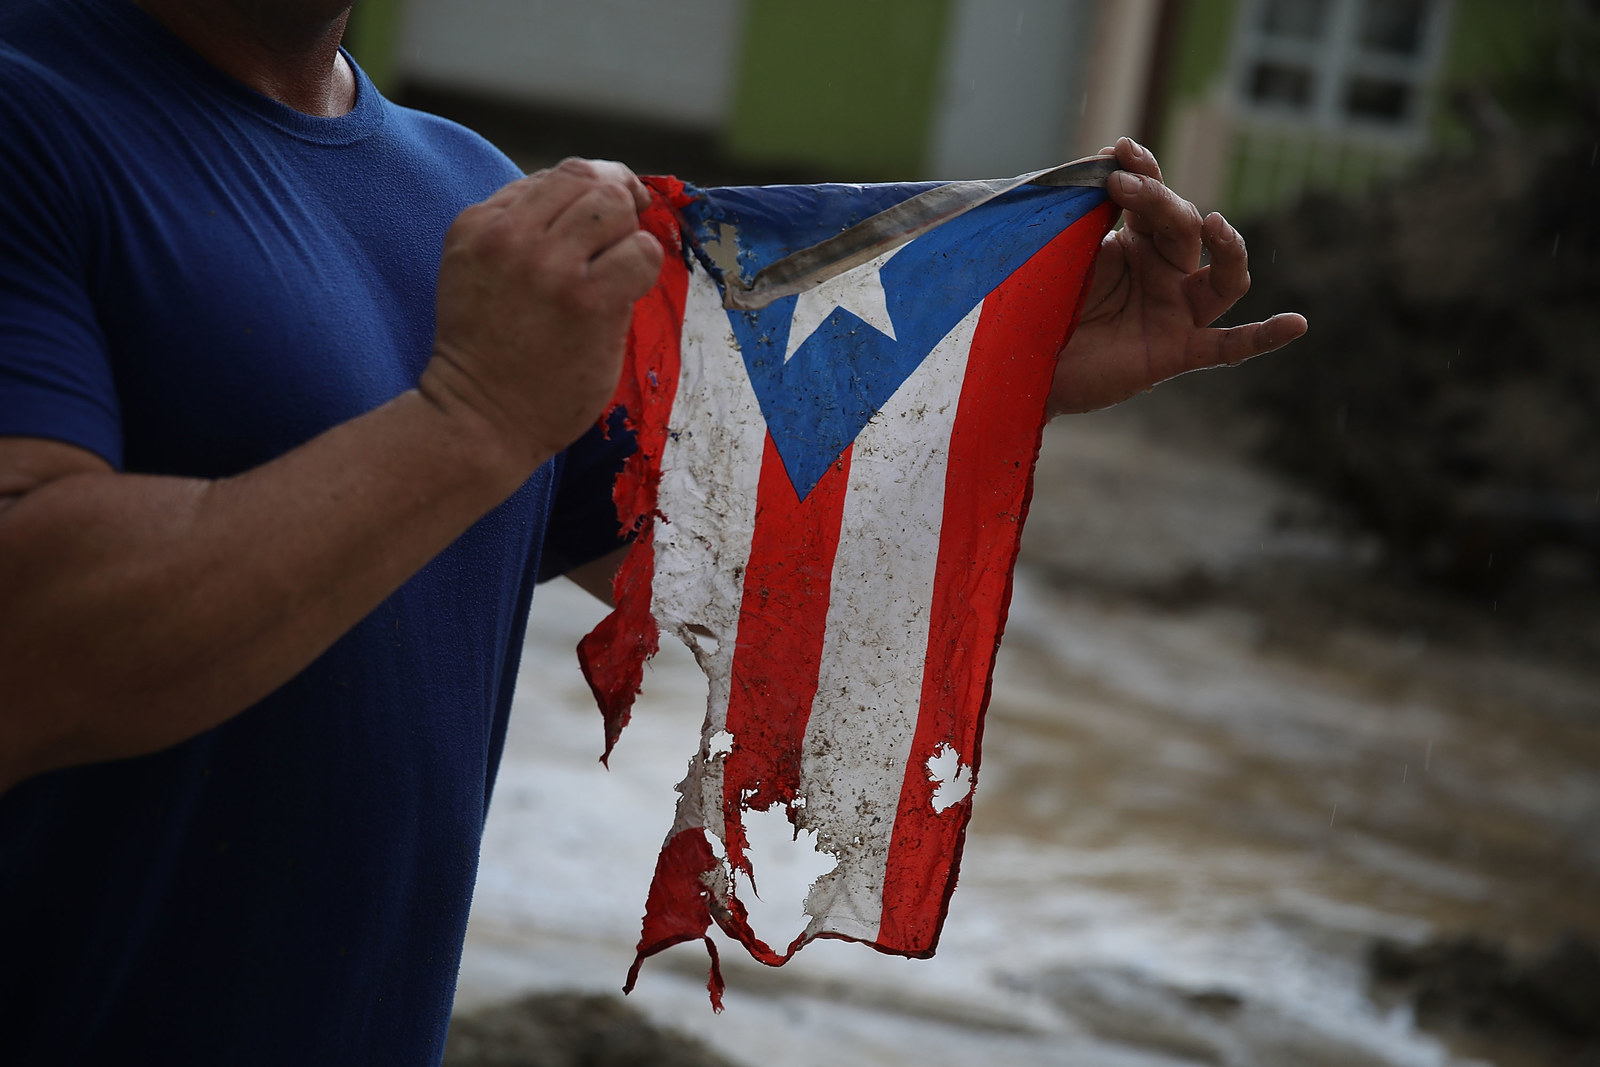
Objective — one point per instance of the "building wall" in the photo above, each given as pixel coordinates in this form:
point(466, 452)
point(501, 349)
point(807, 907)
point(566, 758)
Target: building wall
point(843, 86)
point(854, 89)
point(1012, 87)
point(641, 59)
point(1197, 129)
point(1122, 45)
point(372, 35)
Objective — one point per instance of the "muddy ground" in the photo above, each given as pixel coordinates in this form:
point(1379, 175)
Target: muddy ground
point(569, 1030)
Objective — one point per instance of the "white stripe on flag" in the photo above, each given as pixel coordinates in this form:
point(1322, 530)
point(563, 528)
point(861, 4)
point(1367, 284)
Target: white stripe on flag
point(876, 642)
point(710, 469)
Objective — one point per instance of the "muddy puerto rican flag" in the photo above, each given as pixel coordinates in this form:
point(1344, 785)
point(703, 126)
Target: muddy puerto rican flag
point(838, 393)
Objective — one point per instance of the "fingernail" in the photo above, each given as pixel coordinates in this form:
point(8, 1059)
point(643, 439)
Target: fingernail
point(1127, 182)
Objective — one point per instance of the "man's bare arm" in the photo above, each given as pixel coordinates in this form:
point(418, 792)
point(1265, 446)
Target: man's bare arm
point(138, 611)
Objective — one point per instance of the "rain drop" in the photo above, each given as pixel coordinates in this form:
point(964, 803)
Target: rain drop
point(1554, 246)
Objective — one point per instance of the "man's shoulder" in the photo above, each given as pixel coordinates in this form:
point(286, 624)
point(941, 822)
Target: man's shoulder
point(61, 74)
point(46, 124)
point(451, 143)
point(29, 82)
point(25, 25)
point(49, 48)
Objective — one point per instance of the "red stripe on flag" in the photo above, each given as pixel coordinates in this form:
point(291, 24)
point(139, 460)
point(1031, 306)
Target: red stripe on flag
point(779, 650)
point(993, 445)
point(612, 655)
point(677, 909)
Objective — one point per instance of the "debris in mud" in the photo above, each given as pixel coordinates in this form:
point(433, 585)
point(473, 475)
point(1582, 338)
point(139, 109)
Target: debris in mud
point(569, 1030)
point(1448, 393)
point(1547, 1007)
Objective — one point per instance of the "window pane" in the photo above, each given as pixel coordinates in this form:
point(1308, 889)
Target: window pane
point(1303, 19)
point(1281, 84)
point(1377, 98)
point(1393, 25)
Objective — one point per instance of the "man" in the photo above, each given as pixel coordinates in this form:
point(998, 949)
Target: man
point(275, 481)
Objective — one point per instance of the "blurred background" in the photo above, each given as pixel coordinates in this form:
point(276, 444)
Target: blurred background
point(1294, 751)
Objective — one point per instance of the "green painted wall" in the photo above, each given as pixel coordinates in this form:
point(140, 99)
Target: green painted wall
point(1490, 41)
point(1496, 37)
point(1205, 42)
point(373, 35)
point(844, 87)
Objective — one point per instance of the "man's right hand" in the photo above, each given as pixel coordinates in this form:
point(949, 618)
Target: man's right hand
point(536, 290)
point(137, 611)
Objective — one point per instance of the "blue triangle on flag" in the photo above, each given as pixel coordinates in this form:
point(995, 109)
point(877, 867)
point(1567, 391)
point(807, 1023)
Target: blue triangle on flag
point(817, 401)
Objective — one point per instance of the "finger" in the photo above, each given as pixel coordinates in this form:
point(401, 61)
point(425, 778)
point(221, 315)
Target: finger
point(1231, 347)
point(1155, 211)
point(608, 171)
point(602, 216)
point(1108, 289)
point(1214, 289)
point(605, 169)
point(611, 170)
point(545, 196)
point(1131, 155)
point(494, 205)
point(626, 270)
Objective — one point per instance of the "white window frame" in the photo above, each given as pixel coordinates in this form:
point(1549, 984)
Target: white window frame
point(1333, 60)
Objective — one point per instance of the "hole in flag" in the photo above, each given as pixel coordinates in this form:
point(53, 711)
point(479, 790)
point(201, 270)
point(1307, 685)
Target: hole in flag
point(702, 642)
point(954, 778)
point(721, 245)
point(721, 743)
point(786, 864)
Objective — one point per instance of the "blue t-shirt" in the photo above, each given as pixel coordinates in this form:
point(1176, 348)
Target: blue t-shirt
point(195, 279)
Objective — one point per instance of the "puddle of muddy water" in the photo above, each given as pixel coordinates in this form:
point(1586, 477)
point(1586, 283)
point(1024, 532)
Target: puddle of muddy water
point(1192, 817)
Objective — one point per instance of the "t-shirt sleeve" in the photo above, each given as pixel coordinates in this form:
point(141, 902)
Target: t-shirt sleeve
point(583, 521)
point(55, 371)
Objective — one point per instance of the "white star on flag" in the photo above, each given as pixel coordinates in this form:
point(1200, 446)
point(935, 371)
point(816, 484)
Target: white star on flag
point(858, 291)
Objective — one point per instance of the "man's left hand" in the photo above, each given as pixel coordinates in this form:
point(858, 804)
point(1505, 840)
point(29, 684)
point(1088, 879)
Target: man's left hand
point(1147, 315)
